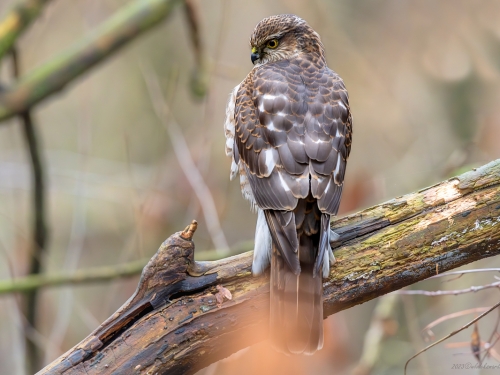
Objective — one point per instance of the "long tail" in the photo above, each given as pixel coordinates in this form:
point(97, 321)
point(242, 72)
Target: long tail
point(296, 319)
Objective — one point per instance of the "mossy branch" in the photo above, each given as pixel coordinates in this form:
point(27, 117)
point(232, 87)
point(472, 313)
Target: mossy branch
point(173, 324)
point(52, 76)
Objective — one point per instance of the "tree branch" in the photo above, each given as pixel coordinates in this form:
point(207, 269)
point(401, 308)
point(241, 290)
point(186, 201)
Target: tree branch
point(16, 21)
point(84, 276)
point(53, 75)
point(172, 323)
point(40, 232)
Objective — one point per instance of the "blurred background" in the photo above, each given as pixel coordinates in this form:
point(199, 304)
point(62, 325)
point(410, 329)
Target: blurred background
point(424, 84)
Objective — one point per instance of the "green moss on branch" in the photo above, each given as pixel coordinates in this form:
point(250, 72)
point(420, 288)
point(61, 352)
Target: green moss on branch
point(384, 248)
point(52, 76)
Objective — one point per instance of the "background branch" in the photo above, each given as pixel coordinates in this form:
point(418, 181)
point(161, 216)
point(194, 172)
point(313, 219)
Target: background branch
point(383, 324)
point(172, 323)
point(52, 76)
point(83, 276)
point(17, 21)
point(39, 231)
point(39, 242)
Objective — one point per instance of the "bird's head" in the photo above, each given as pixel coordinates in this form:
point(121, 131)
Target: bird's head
point(282, 37)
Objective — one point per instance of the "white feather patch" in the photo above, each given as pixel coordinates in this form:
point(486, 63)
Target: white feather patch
point(270, 162)
point(329, 259)
point(234, 170)
point(262, 251)
point(284, 185)
point(246, 190)
point(229, 123)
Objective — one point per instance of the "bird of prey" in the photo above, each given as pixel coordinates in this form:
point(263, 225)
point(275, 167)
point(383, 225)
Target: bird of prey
point(288, 131)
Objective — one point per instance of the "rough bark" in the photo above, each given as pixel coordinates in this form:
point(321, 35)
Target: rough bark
point(173, 324)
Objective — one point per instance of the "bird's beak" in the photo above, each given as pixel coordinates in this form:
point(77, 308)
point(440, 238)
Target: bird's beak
point(255, 55)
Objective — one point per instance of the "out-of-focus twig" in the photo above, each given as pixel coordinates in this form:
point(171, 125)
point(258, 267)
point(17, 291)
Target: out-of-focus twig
point(83, 276)
point(428, 329)
point(452, 333)
point(383, 325)
point(39, 236)
point(490, 343)
point(56, 73)
point(411, 317)
point(210, 101)
point(461, 273)
point(194, 28)
point(64, 306)
point(199, 81)
point(185, 159)
point(17, 20)
point(438, 293)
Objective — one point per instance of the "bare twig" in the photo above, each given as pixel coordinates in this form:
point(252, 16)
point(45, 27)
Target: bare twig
point(493, 333)
point(452, 333)
point(209, 104)
point(438, 293)
point(428, 329)
point(461, 273)
point(186, 162)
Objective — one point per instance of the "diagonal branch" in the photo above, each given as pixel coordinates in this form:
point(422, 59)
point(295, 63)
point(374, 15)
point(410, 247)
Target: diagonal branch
point(172, 323)
point(186, 161)
point(52, 76)
point(452, 334)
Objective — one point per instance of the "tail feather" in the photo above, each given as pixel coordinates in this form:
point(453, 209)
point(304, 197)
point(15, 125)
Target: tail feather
point(324, 244)
point(300, 239)
point(296, 305)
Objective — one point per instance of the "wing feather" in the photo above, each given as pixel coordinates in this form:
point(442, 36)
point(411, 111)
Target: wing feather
point(293, 133)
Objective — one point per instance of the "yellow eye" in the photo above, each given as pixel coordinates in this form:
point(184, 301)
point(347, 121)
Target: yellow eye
point(272, 43)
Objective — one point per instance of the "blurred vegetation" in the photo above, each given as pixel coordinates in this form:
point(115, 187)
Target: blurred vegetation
point(423, 79)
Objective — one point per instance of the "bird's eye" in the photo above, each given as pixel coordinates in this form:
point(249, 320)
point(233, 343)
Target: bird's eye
point(272, 44)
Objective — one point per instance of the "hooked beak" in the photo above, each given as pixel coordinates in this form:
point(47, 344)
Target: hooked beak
point(255, 55)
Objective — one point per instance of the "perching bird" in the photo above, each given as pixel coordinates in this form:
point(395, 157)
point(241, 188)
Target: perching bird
point(288, 131)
